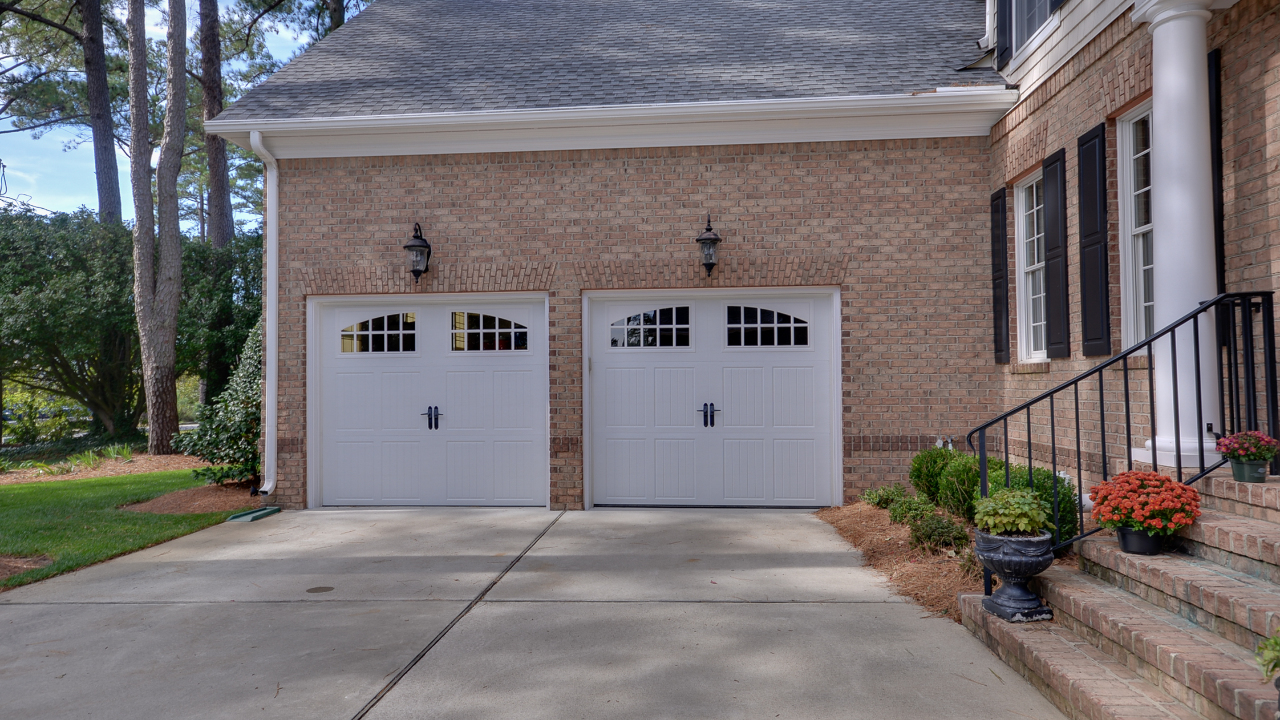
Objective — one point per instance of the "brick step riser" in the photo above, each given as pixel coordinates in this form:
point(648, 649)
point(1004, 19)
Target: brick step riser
point(1223, 627)
point(1071, 680)
point(1087, 711)
point(1179, 689)
point(1260, 501)
point(1240, 563)
point(1243, 509)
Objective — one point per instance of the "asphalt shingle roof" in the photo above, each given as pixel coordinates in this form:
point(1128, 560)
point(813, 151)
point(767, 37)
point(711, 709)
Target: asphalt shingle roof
point(423, 56)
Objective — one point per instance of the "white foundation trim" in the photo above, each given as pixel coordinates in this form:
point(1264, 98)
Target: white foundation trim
point(947, 112)
point(270, 298)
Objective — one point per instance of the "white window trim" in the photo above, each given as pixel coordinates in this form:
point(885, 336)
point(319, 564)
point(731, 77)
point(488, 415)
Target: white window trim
point(1025, 352)
point(1033, 43)
point(1129, 306)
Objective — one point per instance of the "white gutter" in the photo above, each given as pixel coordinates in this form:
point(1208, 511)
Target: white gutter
point(946, 112)
point(270, 296)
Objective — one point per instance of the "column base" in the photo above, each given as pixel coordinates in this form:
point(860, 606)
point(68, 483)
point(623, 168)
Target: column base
point(1166, 453)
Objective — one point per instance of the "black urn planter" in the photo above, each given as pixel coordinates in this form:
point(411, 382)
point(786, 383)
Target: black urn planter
point(1138, 542)
point(1015, 560)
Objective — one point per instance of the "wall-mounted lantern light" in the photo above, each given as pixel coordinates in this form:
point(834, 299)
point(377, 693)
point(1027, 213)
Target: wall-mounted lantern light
point(708, 241)
point(419, 253)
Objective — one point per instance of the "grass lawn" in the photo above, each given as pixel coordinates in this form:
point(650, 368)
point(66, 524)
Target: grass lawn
point(77, 523)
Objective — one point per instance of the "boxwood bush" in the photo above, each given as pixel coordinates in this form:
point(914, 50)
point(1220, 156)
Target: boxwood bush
point(934, 532)
point(883, 497)
point(927, 468)
point(912, 507)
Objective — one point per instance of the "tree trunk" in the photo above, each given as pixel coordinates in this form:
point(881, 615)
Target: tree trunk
point(337, 14)
point(99, 96)
point(158, 255)
point(222, 226)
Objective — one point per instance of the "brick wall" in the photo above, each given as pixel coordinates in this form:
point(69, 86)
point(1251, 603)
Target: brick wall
point(900, 226)
point(1109, 77)
point(1249, 37)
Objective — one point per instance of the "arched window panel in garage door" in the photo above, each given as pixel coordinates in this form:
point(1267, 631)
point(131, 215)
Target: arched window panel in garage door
point(392, 333)
point(477, 332)
point(664, 327)
point(761, 327)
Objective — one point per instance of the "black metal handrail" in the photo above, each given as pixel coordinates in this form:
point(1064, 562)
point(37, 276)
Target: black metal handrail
point(1237, 373)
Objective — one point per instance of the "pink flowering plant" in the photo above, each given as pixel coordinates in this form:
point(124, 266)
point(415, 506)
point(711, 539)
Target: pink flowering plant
point(1249, 446)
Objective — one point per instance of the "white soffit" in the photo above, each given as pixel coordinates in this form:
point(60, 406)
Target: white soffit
point(948, 112)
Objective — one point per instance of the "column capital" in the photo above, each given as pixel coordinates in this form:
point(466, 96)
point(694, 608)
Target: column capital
point(1157, 12)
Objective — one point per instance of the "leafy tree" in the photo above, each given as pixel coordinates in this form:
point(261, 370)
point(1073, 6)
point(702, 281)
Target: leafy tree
point(221, 302)
point(56, 70)
point(66, 315)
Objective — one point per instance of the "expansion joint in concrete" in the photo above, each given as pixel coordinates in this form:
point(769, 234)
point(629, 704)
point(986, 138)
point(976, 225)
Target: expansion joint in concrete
point(440, 635)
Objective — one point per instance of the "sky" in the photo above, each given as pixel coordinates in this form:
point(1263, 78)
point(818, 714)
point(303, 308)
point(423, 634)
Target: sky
point(43, 173)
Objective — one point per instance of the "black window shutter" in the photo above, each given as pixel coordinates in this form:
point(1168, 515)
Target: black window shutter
point(1055, 4)
point(1095, 305)
point(1004, 32)
point(1057, 315)
point(1000, 274)
point(1215, 147)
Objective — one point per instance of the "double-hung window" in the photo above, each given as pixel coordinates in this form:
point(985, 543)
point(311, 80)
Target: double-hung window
point(1032, 316)
point(1028, 17)
point(1137, 256)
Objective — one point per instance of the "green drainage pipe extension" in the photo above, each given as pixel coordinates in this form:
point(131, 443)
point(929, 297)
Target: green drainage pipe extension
point(251, 515)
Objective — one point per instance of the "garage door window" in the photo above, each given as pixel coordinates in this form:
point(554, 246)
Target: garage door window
point(477, 332)
point(385, 333)
point(756, 327)
point(664, 327)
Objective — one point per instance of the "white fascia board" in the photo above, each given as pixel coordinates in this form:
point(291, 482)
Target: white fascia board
point(948, 112)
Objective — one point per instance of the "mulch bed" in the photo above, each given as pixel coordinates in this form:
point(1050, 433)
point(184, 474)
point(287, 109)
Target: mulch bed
point(141, 463)
point(931, 580)
point(12, 565)
point(203, 499)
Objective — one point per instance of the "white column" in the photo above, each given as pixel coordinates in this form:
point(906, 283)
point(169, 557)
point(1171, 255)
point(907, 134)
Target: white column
point(1182, 207)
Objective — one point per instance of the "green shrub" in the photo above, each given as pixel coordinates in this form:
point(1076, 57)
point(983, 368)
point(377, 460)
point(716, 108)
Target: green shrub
point(88, 459)
point(926, 471)
point(229, 428)
point(1268, 655)
point(934, 532)
point(909, 508)
point(1012, 512)
point(40, 417)
point(883, 497)
point(123, 453)
point(188, 398)
point(960, 483)
point(1044, 481)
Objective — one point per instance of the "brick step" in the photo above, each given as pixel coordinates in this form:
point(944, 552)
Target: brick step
point(1213, 676)
point(1082, 681)
point(1240, 543)
point(1234, 605)
point(1259, 501)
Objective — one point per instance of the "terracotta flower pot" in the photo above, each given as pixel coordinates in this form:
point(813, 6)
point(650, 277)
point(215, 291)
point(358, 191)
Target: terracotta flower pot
point(1015, 560)
point(1249, 471)
point(1138, 542)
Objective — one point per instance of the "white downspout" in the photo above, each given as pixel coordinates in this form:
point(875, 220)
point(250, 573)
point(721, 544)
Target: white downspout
point(270, 297)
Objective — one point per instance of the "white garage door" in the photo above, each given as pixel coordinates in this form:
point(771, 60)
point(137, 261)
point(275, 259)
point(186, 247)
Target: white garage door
point(433, 404)
point(713, 400)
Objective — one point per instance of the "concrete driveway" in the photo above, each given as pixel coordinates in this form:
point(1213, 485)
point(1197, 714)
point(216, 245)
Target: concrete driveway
point(426, 613)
